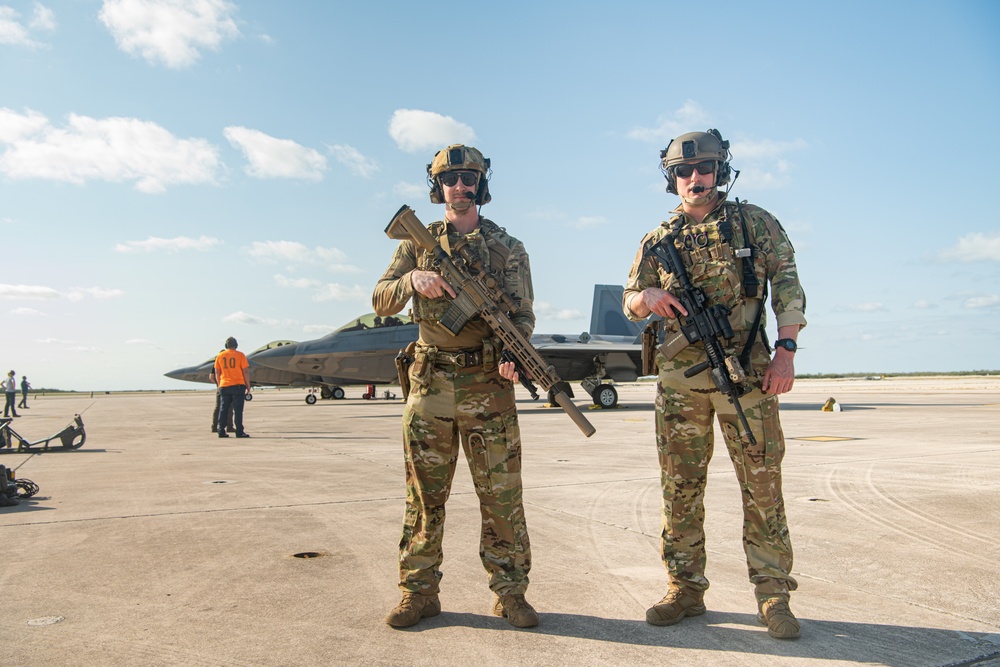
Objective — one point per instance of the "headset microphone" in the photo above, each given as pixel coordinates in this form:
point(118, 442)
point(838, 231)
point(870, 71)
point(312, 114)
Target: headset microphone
point(698, 189)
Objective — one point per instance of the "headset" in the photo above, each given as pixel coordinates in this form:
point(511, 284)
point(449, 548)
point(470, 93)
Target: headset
point(689, 151)
point(457, 158)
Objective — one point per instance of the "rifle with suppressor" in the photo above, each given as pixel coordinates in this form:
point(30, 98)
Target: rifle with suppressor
point(479, 292)
point(706, 323)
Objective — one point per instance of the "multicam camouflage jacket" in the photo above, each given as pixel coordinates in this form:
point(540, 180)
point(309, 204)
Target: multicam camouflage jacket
point(502, 253)
point(712, 263)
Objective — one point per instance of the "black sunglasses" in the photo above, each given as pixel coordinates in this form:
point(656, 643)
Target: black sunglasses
point(450, 178)
point(686, 170)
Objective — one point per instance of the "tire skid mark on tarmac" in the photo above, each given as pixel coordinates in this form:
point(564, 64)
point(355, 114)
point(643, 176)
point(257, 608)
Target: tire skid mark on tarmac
point(924, 517)
point(598, 546)
point(117, 650)
point(842, 491)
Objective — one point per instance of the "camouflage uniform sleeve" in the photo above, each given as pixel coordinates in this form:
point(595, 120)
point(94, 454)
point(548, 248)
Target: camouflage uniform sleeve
point(517, 274)
point(788, 300)
point(394, 289)
point(643, 274)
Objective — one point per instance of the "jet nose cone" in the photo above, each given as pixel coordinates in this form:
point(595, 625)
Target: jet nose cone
point(278, 357)
point(182, 373)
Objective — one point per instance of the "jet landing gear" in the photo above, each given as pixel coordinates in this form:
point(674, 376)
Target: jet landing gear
point(604, 394)
point(326, 393)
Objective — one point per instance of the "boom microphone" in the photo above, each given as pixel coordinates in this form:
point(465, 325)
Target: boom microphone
point(698, 189)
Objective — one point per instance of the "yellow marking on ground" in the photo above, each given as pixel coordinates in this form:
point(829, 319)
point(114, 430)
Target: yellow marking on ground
point(824, 438)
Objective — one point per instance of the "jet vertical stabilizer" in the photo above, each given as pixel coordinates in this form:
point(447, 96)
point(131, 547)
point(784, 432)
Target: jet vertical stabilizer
point(607, 317)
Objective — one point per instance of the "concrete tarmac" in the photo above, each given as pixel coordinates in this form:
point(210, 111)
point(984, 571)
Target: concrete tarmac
point(157, 543)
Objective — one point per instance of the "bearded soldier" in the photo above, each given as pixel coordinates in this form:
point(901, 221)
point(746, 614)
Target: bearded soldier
point(460, 392)
point(733, 251)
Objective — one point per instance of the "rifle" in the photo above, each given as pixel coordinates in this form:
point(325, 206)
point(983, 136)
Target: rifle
point(706, 323)
point(480, 292)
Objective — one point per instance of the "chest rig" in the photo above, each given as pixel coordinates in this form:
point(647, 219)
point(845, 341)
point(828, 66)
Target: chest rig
point(478, 251)
point(719, 255)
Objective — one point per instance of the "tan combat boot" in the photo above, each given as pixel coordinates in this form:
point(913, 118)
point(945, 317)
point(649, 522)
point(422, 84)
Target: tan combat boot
point(516, 610)
point(678, 603)
point(412, 609)
point(780, 622)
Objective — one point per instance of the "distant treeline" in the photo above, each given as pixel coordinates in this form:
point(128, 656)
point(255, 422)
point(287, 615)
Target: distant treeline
point(826, 376)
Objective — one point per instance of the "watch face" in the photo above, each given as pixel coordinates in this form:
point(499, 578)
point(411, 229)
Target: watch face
point(788, 344)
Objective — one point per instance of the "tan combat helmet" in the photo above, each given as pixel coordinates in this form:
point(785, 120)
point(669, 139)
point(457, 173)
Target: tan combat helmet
point(692, 148)
point(459, 157)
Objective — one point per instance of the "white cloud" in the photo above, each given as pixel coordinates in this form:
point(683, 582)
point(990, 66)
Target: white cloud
point(14, 33)
point(270, 157)
point(867, 307)
point(171, 32)
point(109, 149)
point(155, 244)
point(295, 253)
point(79, 293)
point(765, 148)
point(39, 292)
point(42, 18)
point(547, 311)
point(689, 118)
point(27, 312)
point(15, 126)
point(239, 317)
point(975, 247)
point(982, 301)
point(335, 292)
point(351, 158)
point(410, 190)
point(923, 304)
point(588, 222)
point(54, 341)
point(322, 329)
point(141, 341)
point(296, 283)
point(414, 130)
point(11, 30)
point(28, 292)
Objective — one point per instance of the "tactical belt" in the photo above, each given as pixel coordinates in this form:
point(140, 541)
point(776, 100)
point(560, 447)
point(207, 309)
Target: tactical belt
point(462, 358)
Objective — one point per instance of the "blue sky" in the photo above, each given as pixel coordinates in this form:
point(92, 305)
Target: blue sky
point(179, 171)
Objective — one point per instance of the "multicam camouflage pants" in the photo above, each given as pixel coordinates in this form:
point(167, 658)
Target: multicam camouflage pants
point(684, 438)
point(476, 408)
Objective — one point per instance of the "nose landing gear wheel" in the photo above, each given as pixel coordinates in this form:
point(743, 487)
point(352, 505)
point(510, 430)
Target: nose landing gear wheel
point(311, 399)
point(605, 396)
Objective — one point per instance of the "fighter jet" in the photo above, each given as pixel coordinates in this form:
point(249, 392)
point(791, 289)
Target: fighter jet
point(364, 351)
point(259, 375)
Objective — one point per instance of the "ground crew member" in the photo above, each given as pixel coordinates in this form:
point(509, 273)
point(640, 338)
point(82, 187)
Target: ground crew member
point(733, 251)
point(232, 371)
point(460, 393)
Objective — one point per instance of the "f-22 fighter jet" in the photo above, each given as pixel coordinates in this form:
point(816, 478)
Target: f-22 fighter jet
point(364, 352)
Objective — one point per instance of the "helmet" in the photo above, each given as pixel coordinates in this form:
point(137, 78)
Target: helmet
point(696, 147)
point(459, 157)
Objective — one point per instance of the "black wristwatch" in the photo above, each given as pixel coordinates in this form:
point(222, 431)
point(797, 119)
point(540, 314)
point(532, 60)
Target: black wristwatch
point(786, 343)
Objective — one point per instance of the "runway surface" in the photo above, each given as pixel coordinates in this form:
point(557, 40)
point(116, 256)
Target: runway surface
point(158, 543)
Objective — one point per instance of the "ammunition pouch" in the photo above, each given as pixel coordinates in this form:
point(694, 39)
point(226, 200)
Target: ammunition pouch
point(420, 371)
point(403, 362)
point(492, 347)
point(650, 339)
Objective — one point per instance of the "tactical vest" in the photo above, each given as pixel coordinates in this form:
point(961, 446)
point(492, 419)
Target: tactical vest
point(486, 243)
point(722, 261)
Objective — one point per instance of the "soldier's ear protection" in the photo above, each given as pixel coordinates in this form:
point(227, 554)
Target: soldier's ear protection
point(457, 158)
point(689, 151)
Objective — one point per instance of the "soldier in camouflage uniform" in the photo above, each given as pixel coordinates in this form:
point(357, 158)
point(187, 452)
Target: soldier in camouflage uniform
point(732, 250)
point(460, 393)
